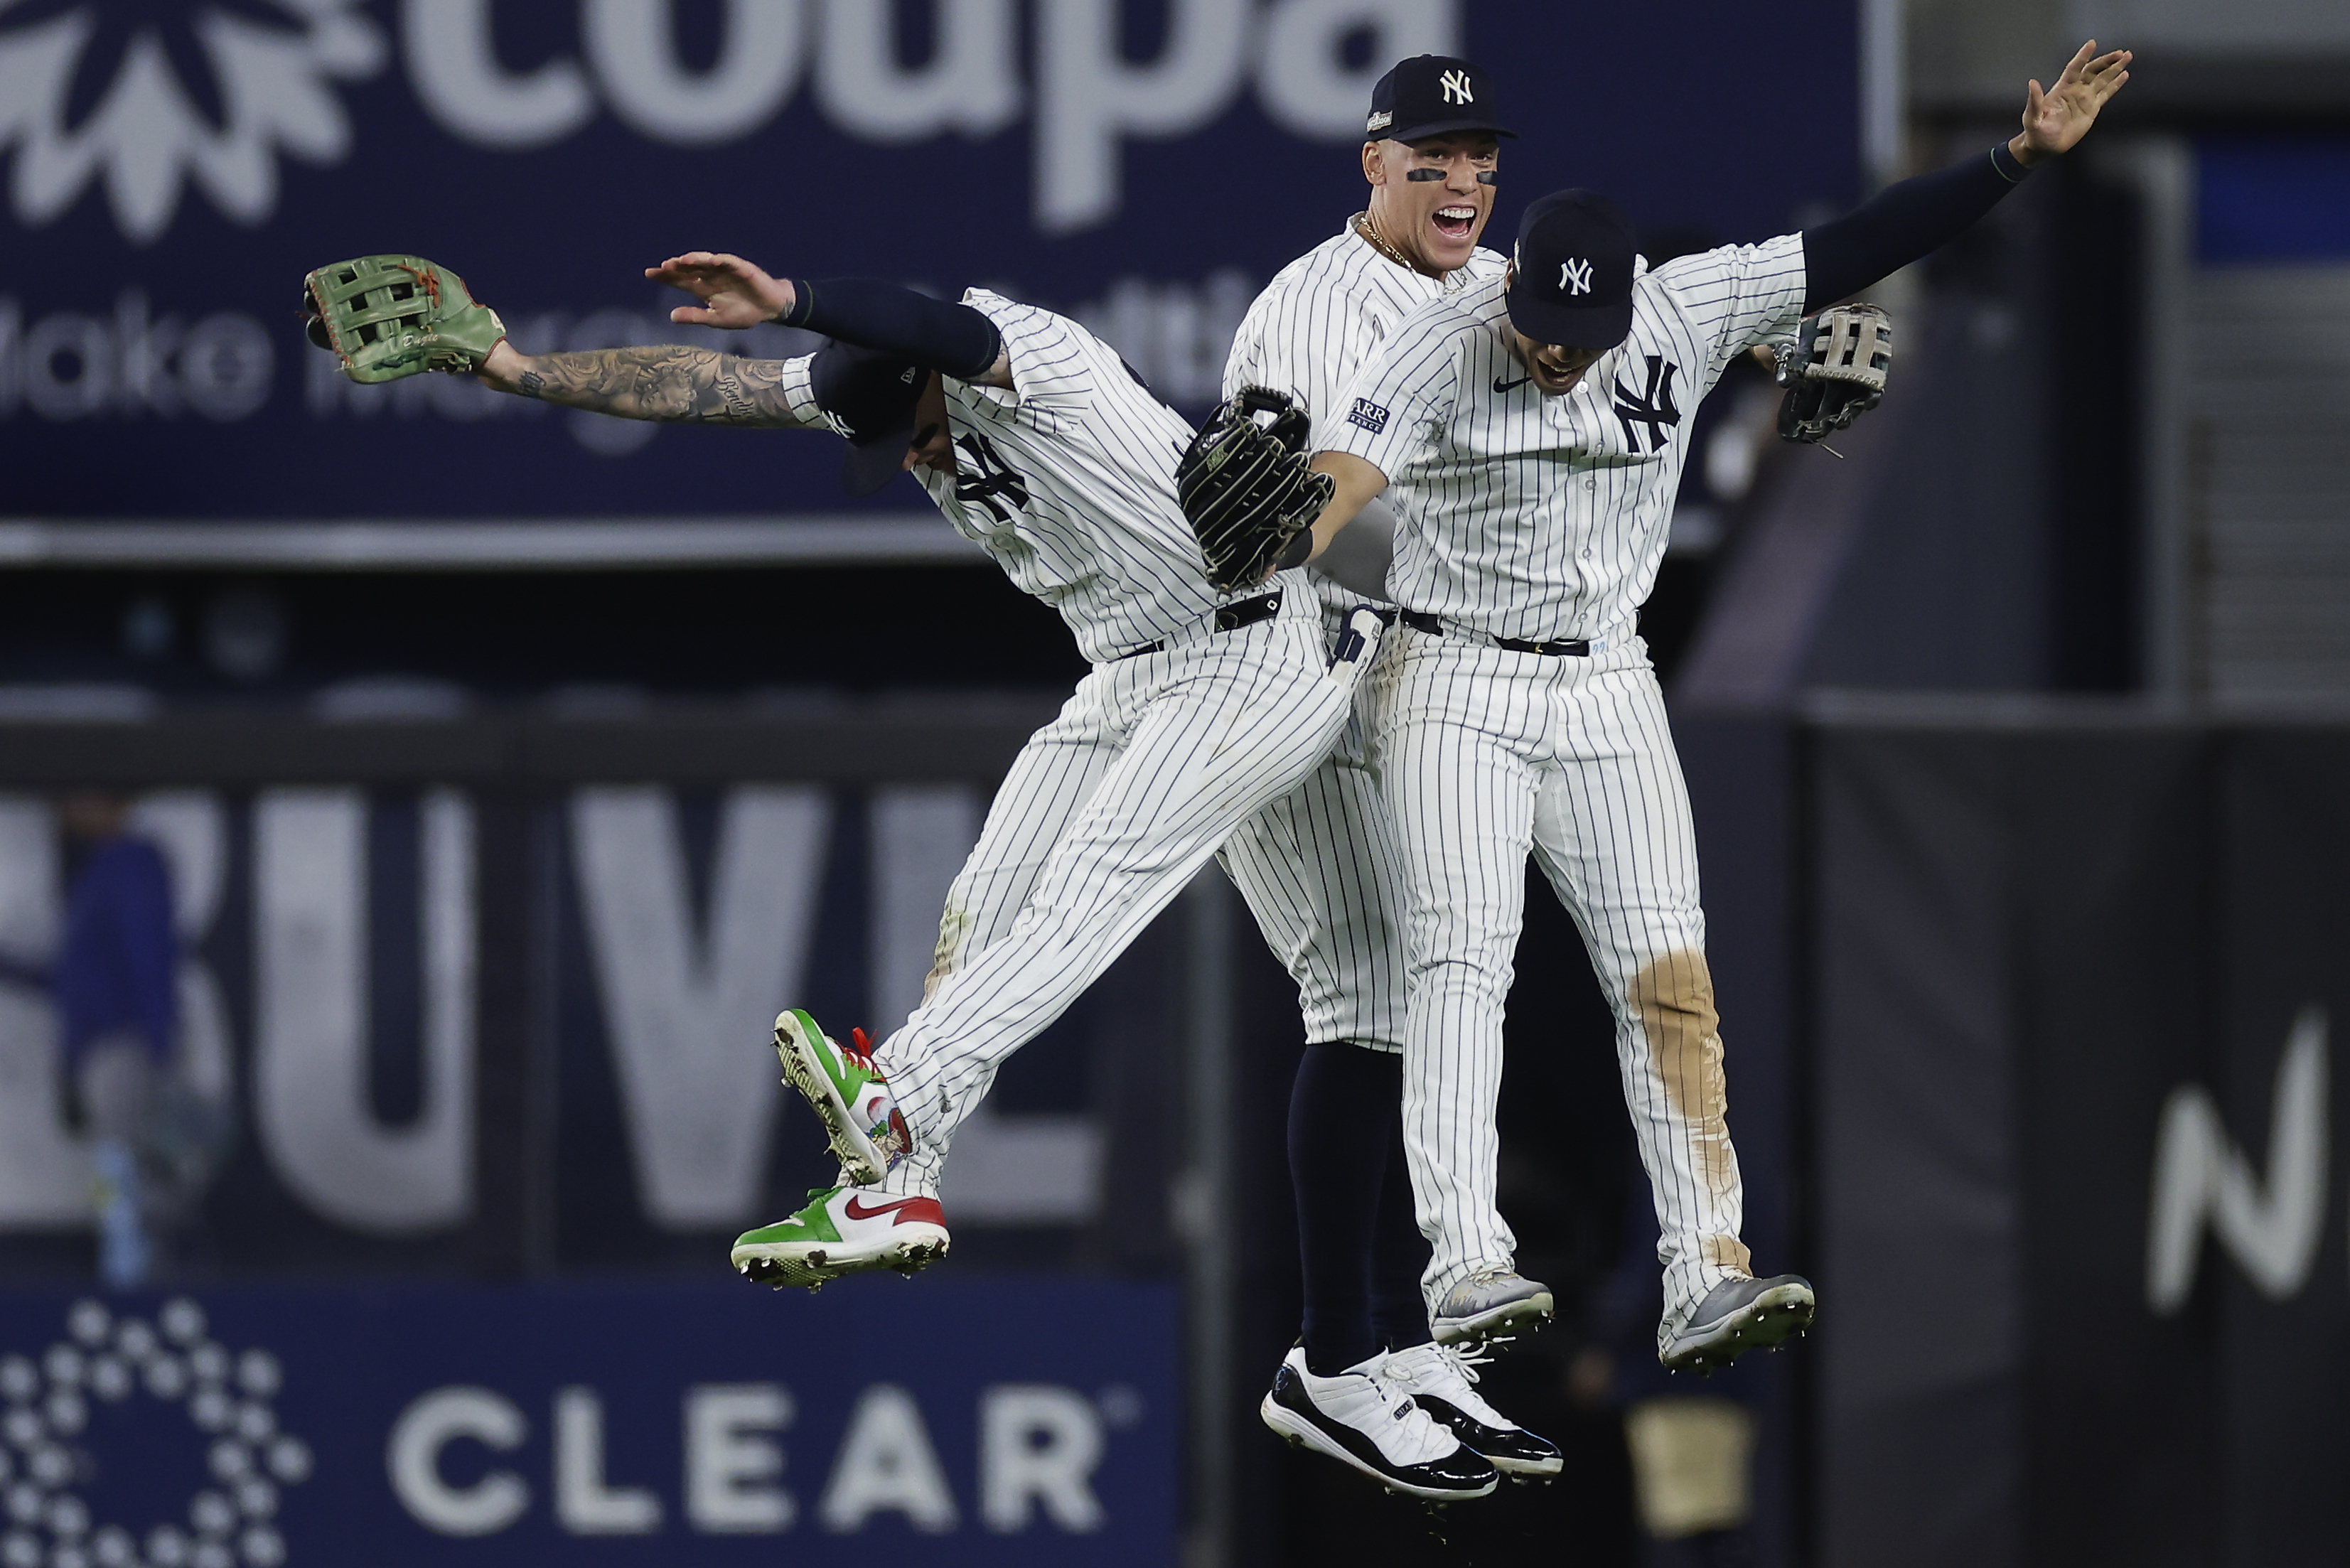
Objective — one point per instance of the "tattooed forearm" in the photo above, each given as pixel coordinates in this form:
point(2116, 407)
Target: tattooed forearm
point(690, 385)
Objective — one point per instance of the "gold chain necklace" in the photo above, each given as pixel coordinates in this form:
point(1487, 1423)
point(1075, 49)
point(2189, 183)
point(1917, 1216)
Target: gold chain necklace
point(1368, 233)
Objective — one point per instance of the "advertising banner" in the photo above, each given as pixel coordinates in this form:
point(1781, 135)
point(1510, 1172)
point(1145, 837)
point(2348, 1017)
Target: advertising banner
point(500, 1021)
point(173, 171)
point(378, 1427)
point(2081, 990)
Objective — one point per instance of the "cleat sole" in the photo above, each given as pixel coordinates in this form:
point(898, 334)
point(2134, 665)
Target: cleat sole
point(807, 1077)
point(1777, 1316)
point(1297, 1434)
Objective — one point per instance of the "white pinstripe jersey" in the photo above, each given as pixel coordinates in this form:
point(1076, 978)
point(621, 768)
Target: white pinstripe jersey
point(1068, 482)
point(1322, 315)
point(1543, 517)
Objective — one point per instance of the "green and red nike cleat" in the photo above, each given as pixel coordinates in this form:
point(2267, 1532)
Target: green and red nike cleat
point(843, 1231)
point(847, 1093)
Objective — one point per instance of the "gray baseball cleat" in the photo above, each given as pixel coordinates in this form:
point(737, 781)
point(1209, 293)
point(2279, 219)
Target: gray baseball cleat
point(1491, 1304)
point(1737, 1316)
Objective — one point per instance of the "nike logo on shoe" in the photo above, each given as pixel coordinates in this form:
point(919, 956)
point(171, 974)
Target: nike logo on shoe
point(856, 1209)
point(1502, 386)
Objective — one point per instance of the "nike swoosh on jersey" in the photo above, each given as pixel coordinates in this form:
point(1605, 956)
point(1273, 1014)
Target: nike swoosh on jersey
point(1502, 386)
point(856, 1209)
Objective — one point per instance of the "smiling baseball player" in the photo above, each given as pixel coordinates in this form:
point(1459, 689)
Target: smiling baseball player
point(1318, 865)
point(1525, 432)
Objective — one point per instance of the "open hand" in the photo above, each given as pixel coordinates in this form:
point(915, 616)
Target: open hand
point(2056, 120)
point(733, 292)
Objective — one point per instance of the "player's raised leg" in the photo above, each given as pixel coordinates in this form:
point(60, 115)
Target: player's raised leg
point(1047, 784)
point(1613, 833)
point(1214, 736)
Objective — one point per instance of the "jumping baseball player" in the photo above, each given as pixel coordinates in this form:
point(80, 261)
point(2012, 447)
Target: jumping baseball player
point(1318, 865)
point(1525, 432)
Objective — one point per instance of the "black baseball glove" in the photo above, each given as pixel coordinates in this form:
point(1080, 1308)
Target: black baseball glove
point(1834, 370)
point(1246, 489)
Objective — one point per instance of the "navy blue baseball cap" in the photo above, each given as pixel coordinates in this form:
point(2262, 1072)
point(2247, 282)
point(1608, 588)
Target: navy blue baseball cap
point(1428, 95)
point(872, 396)
point(1574, 258)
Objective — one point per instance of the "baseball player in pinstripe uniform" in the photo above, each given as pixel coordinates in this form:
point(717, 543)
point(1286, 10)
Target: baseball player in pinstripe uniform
point(1040, 445)
point(1525, 431)
point(1318, 865)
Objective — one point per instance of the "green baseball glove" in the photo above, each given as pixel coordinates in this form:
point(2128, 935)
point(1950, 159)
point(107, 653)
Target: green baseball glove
point(389, 317)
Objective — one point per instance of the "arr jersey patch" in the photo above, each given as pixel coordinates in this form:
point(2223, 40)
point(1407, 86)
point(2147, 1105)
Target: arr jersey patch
point(1369, 415)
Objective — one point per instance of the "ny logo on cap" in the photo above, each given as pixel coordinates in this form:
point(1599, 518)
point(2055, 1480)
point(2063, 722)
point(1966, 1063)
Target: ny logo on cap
point(1574, 277)
point(1456, 88)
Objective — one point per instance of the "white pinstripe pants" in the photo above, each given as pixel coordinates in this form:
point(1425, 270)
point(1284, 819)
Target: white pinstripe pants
point(1105, 817)
point(1486, 755)
point(1320, 869)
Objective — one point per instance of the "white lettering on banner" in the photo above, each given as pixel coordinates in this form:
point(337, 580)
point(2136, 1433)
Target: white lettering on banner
point(45, 1176)
point(680, 995)
point(2271, 1229)
point(412, 1457)
point(147, 136)
point(1302, 76)
point(632, 45)
point(731, 1465)
point(278, 88)
point(1090, 97)
point(584, 1504)
point(454, 67)
point(971, 84)
point(311, 987)
point(70, 366)
point(887, 1465)
point(1039, 1444)
point(1175, 335)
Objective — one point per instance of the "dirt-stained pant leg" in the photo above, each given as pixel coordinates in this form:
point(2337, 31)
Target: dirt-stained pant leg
point(1488, 755)
point(1613, 834)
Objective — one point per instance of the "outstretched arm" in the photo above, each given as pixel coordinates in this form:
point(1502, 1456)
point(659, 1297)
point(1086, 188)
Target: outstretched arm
point(938, 334)
point(1916, 217)
point(664, 382)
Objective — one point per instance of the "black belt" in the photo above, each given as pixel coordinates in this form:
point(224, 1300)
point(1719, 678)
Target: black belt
point(1229, 617)
point(1434, 626)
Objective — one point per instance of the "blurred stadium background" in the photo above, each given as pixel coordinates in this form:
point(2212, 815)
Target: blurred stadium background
point(506, 769)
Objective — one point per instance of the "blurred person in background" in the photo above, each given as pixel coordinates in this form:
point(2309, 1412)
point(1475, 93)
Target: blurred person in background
point(114, 981)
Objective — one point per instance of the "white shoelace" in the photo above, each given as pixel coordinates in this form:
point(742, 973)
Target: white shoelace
point(1427, 1438)
point(1461, 1366)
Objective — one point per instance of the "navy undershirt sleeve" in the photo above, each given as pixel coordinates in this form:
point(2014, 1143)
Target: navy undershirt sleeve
point(937, 333)
point(1902, 222)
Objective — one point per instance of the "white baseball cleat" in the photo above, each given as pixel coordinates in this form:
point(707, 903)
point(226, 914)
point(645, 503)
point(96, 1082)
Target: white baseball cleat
point(1737, 1316)
point(1360, 1420)
point(1441, 1381)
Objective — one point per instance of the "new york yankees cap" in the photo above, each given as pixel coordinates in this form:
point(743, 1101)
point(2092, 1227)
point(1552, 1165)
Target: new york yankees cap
point(1574, 258)
point(1428, 95)
point(870, 398)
